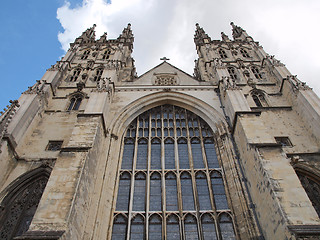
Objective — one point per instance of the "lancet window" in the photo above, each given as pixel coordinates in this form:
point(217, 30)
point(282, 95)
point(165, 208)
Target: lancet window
point(85, 54)
point(222, 54)
point(256, 72)
point(75, 75)
point(170, 185)
point(75, 102)
point(232, 72)
point(244, 53)
point(259, 99)
point(98, 75)
point(106, 54)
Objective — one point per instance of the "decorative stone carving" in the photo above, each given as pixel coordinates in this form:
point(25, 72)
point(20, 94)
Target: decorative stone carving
point(229, 85)
point(165, 79)
point(36, 88)
point(103, 85)
point(6, 118)
point(217, 63)
point(275, 62)
point(297, 84)
point(80, 86)
point(90, 64)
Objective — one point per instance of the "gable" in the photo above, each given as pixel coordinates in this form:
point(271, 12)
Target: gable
point(166, 74)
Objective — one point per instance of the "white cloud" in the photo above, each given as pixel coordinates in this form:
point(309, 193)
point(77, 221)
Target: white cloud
point(287, 29)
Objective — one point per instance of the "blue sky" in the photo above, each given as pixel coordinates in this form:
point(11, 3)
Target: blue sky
point(29, 44)
point(36, 33)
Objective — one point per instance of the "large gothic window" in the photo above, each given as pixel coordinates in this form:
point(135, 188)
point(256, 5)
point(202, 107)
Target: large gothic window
point(19, 206)
point(170, 185)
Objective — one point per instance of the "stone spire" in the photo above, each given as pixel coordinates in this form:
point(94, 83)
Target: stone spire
point(200, 37)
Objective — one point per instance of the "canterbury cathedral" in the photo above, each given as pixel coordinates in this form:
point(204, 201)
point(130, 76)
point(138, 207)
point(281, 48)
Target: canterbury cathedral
point(93, 151)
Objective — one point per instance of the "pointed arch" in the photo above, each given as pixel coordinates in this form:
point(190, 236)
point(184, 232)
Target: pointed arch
point(209, 114)
point(19, 202)
point(75, 100)
point(152, 113)
point(310, 181)
point(259, 97)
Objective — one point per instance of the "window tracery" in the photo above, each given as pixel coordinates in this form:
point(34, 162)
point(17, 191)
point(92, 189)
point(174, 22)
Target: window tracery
point(259, 99)
point(256, 72)
point(75, 75)
point(75, 102)
point(171, 170)
point(98, 75)
point(106, 54)
point(232, 72)
point(85, 55)
point(244, 53)
point(222, 53)
point(20, 207)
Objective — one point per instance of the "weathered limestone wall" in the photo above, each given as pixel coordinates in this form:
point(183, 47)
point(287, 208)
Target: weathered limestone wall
point(85, 194)
point(235, 102)
point(274, 186)
point(29, 107)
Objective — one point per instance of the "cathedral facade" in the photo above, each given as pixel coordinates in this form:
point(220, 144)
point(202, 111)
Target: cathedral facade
point(93, 151)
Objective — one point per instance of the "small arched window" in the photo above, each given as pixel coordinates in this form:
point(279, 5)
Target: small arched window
point(75, 102)
point(259, 99)
point(106, 54)
point(75, 75)
point(85, 54)
point(232, 72)
point(98, 75)
point(244, 53)
point(222, 54)
point(256, 72)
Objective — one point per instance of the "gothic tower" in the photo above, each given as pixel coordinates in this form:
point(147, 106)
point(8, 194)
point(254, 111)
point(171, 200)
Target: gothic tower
point(93, 151)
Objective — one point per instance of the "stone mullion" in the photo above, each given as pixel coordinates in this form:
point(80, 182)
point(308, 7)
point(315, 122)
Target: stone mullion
point(179, 195)
point(204, 157)
point(220, 144)
point(132, 178)
point(193, 179)
point(163, 189)
point(148, 177)
point(194, 191)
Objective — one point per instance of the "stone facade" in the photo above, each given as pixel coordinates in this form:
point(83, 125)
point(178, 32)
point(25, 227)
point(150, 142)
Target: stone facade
point(66, 134)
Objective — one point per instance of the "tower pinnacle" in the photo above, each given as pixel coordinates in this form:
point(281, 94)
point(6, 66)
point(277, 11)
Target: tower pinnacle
point(200, 36)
